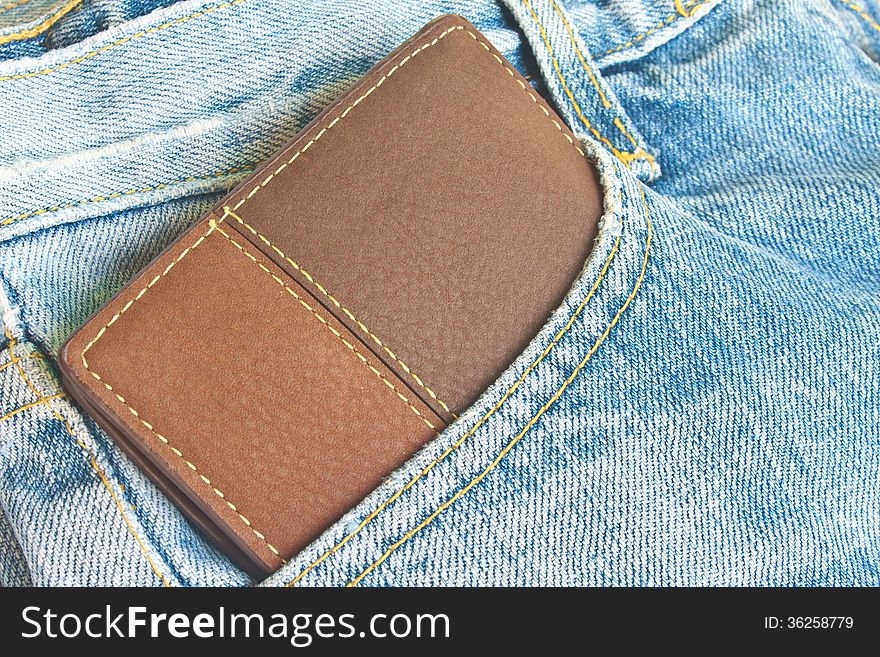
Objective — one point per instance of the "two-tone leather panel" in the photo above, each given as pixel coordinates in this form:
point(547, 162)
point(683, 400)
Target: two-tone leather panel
point(347, 301)
point(439, 208)
point(256, 401)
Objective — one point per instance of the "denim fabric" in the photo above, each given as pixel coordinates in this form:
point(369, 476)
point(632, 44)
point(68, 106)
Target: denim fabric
point(702, 408)
point(30, 27)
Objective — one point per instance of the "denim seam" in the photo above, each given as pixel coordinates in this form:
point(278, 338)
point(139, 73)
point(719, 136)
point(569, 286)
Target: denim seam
point(146, 519)
point(458, 443)
point(149, 426)
point(40, 402)
point(87, 452)
point(33, 354)
point(682, 11)
point(13, 5)
point(473, 482)
point(123, 40)
point(623, 156)
point(862, 14)
point(363, 359)
point(244, 168)
point(43, 25)
point(418, 380)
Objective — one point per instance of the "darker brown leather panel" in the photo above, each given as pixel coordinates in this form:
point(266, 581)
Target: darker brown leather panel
point(260, 404)
point(448, 211)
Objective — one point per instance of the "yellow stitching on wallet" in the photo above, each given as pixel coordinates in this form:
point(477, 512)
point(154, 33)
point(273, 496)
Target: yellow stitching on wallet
point(473, 482)
point(213, 225)
point(228, 212)
point(338, 118)
point(373, 88)
point(458, 443)
point(329, 327)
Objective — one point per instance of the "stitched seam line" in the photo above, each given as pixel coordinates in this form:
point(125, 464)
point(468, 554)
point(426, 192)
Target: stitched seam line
point(33, 354)
point(458, 443)
point(863, 14)
point(415, 377)
point(624, 157)
point(342, 116)
point(121, 41)
point(87, 453)
point(13, 5)
point(39, 402)
point(683, 11)
point(462, 491)
point(330, 328)
point(149, 426)
point(690, 9)
point(605, 102)
point(128, 192)
point(379, 83)
point(214, 225)
point(44, 25)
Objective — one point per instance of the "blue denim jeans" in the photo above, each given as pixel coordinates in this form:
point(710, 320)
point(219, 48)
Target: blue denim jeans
point(703, 407)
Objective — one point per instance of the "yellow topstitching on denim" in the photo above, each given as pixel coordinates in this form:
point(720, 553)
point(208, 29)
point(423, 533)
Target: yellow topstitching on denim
point(33, 354)
point(245, 168)
point(458, 443)
point(24, 407)
point(44, 25)
point(86, 451)
point(122, 513)
point(684, 12)
point(691, 8)
point(119, 42)
point(13, 5)
point(452, 448)
point(623, 156)
point(863, 14)
point(473, 482)
point(605, 102)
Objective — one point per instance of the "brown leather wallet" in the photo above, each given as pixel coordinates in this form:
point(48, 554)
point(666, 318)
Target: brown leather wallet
point(343, 304)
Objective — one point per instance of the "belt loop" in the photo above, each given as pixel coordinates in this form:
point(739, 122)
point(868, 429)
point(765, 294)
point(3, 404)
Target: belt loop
point(586, 101)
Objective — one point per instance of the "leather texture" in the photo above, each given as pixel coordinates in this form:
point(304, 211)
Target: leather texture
point(347, 301)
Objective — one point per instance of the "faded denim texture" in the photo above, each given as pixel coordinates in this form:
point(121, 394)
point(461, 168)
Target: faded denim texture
point(702, 409)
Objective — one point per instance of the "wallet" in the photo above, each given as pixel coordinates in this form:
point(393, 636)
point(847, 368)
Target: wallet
point(346, 302)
